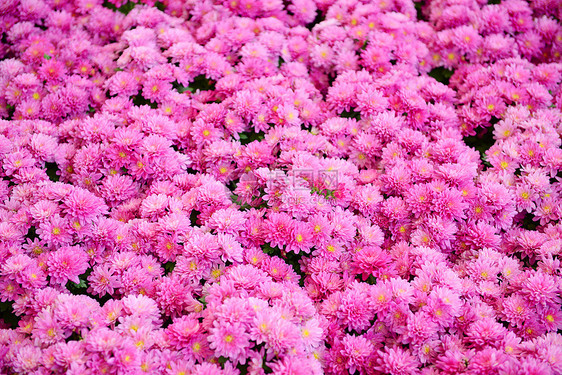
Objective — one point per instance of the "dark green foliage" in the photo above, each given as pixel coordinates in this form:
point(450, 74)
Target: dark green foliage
point(419, 14)
point(326, 193)
point(482, 141)
point(75, 336)
point(441, 74)
point(202, 83)
point(193, 218)
point(351, 114)
point(528, 222)
point(241, 206)
point(139, 100)
point(180, 88)
point(169, 267)
point(31, 234)
point(266, 248)
point(293, 260)
point(52, 169)
point(249, 137)
point(371, 280)
point(82, 286)
point(125, 8)
point(11, 110)
point(319, 18)
point(7, 314)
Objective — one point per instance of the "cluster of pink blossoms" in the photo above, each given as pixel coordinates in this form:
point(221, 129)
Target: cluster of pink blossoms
point(267, 186)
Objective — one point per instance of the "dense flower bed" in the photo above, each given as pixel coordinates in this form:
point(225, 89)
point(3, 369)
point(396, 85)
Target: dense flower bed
point(296, 187)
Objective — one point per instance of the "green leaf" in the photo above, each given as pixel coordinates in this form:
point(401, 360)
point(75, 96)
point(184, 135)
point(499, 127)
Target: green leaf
point(319, 18)
point(7, 314)
point(81, 285)
point(351, 114)
point(47, 57)
point(180, 88)
point(249, 137)
point(5, 306)
point(169, 267)
point(52, 169)
point(160, 6)
point(482, 141)
point(193, 217)
point(222, 360)
point(139, 100)
point(266, 368)
point(32, 234)
point(266, 248)
point(183, 89)
point(441, 74)
point(419, 14)
point(125, 9)
point(202, 83)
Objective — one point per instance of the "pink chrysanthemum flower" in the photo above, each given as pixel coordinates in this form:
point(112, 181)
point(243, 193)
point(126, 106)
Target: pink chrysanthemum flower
point(356, 350)
point(26, 358)
point(300, 238)
point(103, 281)
point(229, 221)
point(56, 231)
point(354, 311)
point(181, 333)
point(46, 329)
point(230, 340)
point(66, 264)
point(397, 361)
point(83, 205)
point(541, 288)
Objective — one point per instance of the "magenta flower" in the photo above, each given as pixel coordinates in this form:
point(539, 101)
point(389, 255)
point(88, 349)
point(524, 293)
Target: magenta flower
point(66, 264)
point(229, 340)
